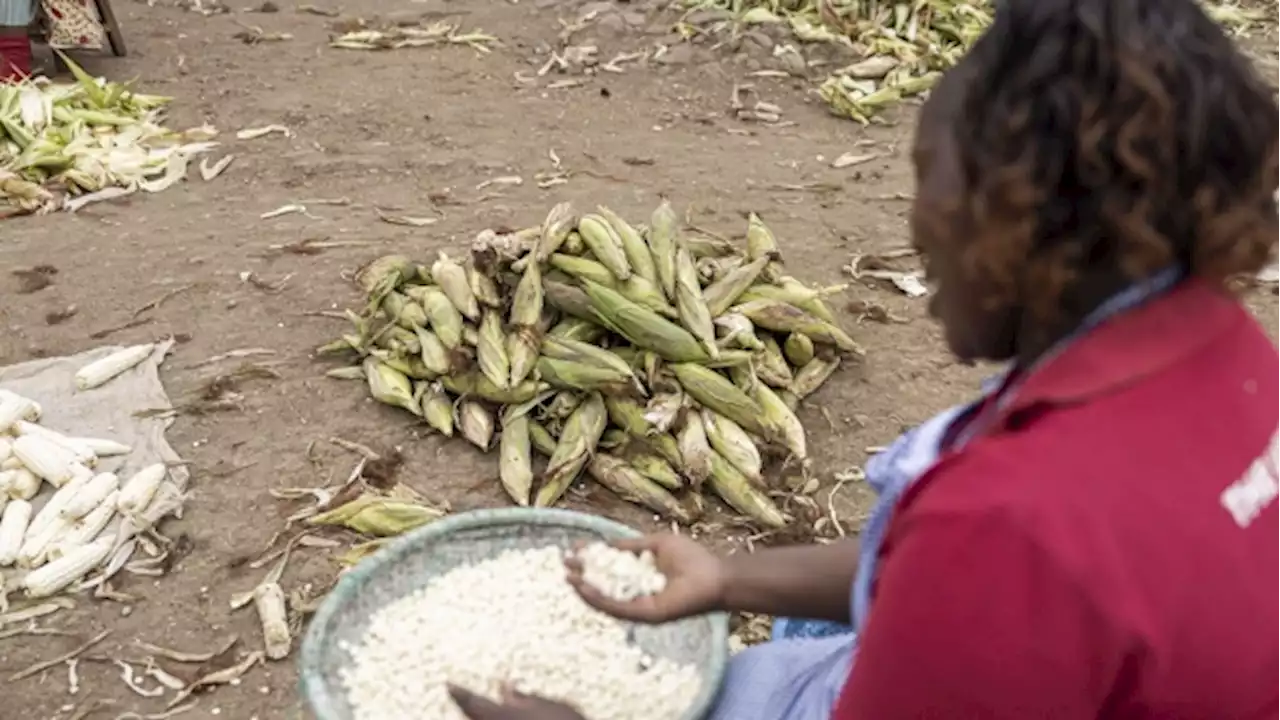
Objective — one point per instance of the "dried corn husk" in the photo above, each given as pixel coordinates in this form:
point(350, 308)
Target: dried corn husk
point(713, 391)
point(770, 364)
point(437, 408)
point(741, 495)
point(781, 415)
point(604, 244)
point(483, 288)
point(762, 244)
point(643, 327)
point(798, 349)
point(737, 331)
point(403, 311)
point(691, 305)
point(656, 469)
point(390, 386)
point(515, 463)
point(526, 303)
point(435, 356)
point(633, 246)
point(477, 385)
point(723, 293)
point(476, 424)
point(377, 515)
point(559, 223)
point(568, 299)
point(452, 279)
point(811, 377)
point(782, 317)
point(541, 439)
point(624, 480)
point(662, 244)
point(580, 376)
point(577, 329)
point(491, 351)
point(695, 450)
point(663, 410)
point(577, 442)
point(732, 442)
point(446, 321)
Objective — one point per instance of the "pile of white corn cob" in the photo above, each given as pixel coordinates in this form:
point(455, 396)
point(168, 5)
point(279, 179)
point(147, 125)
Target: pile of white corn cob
point(57, 537)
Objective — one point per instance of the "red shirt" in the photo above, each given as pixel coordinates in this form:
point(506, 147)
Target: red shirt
point(1107, 549)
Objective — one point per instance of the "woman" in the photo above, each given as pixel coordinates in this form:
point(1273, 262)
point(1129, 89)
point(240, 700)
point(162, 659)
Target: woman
point(67, 24)
point(1095, 537)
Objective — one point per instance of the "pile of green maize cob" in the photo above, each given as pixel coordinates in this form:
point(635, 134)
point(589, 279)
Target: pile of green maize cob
point(658, 362)
point(903, 46)
point(67, 139)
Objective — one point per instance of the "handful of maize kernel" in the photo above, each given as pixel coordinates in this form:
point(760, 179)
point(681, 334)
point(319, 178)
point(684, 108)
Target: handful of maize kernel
point(654, 362)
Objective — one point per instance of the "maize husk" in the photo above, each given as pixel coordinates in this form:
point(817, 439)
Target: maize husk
point(437, 408)
point(435, 356)
point(737, 331)
point(580, 376)
point(614, 439)
point(483, 287)
point(793, 292)
point(568, 299)
point(522, 353)
point(515, 463)
point(783, 317)
point(389, 386)
point(475, 384)
point(811, 377)
point(657, 470)
point(695, 450)
point(629, 484)
point(782, 416)
point(378, 516)
point(798, 349)
point(628, 415)
point(604, 244)
point(705, 247)
point(577, 442)
point(583, 269)
point(577, 329)
point(541, 439)
point(491, 352)
point(640, 290)
point(662, 246)
point(663, 410)
point(633, 246)
point(771, 366)
point(557, 226)
point(713, 391)
point(452, 279)
point(711, 269)
point(470, 335)
point(762, 244)
point(573, 244)
point(476, 424)
point(643, 327)
point(384, 274)
point(399, 340)
point(723, 293)
point(445, 320)
point(586, 353)
point(738, 492)
point(562, 405)
point(790, 399)
point(403, 311)
point(730, 440)
point(691, 305)
point(526, 303)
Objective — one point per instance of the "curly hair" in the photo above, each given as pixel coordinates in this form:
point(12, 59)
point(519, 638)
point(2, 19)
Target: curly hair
point(1104, 140)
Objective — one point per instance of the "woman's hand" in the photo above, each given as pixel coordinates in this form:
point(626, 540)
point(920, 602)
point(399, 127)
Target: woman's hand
point(695, 581)
point(514, 706)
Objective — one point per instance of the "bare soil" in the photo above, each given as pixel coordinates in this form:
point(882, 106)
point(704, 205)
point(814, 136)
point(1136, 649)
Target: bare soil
point(420, 130)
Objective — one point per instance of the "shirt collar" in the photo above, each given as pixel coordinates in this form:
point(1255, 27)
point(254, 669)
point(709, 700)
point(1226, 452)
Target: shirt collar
point(1130, 346)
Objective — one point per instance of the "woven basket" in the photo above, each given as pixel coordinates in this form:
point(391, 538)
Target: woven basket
point(410, 562)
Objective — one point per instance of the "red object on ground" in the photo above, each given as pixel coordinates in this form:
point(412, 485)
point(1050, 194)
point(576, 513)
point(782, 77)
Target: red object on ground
point(1108, 552)
point(15, 57)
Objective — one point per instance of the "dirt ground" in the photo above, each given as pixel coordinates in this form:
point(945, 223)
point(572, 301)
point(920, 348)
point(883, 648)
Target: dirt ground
point(419, 130)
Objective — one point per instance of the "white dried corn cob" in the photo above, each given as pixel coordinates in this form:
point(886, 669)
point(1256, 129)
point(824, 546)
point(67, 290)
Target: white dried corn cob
point(139, 489)
point(81, 450)
point(90, 496)
point(10, 463)
point(65, 570)
point(102, 447)
point(6, 481)
point(45, 458)
point(37, 541)
point(6, 448)
point(12, 409)
point(100, 371)
point(33, 412)
point(23, 484)
point(268, 598)
point(13, 525)
point(52, 510)
point(86, 529)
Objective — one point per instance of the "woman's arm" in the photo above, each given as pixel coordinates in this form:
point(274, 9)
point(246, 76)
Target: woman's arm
point(808, 581)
